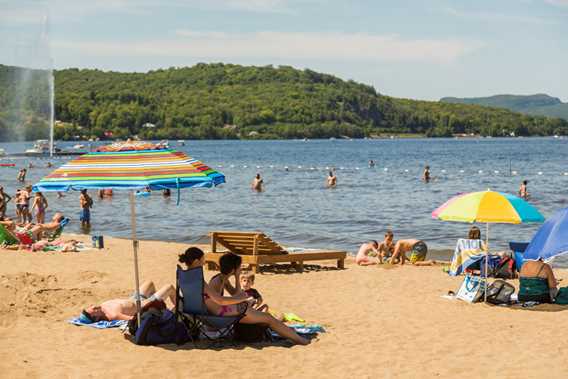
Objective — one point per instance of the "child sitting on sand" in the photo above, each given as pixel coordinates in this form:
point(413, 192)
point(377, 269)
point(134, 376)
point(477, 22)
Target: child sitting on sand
point(247, 281)
point(372, 252)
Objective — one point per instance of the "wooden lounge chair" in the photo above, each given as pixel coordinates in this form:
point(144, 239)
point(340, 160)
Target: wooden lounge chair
point(256, 248)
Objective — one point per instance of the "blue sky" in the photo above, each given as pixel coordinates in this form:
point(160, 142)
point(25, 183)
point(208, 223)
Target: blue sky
point(415, 49)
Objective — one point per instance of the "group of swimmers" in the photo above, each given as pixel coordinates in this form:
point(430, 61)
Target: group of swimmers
point(229, 293)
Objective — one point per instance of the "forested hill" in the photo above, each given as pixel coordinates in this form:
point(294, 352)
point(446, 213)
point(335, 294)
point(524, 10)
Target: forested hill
point(232, 101)
point(539, 104)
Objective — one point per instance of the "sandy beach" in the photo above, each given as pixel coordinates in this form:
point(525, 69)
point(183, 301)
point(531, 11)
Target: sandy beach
point(381, 322)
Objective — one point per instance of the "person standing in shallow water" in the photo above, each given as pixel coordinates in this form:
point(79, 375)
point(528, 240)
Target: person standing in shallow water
point(331, 180)
point(4, 200)
point(257, 183)
point(86, 203)
point(426, 175)
point(523, 191)
point(22, 175)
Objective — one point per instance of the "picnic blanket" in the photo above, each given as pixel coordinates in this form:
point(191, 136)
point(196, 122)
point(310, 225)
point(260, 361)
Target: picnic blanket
point(466, 253)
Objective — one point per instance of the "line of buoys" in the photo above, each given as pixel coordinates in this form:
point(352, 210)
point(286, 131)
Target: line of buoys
point(385, 169)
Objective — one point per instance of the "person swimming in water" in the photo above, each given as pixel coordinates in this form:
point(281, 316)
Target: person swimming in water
point(426, 175)
point(331, 180)
point(257, 183)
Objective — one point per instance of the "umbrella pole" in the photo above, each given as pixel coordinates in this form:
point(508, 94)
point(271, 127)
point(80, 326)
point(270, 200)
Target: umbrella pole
point(135, 249)
point(486, 260)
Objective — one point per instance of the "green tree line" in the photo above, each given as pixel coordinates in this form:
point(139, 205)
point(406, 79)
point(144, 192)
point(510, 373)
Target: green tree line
point(226, 101)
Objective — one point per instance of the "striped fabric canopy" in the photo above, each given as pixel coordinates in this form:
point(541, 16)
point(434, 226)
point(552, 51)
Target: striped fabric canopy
point(130, 170)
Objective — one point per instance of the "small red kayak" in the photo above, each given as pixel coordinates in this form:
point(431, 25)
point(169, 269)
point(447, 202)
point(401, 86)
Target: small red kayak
point(7, 164)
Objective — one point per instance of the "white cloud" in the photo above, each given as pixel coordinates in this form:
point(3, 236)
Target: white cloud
point(562, 3)
point(26, 11)
point(500, 17)
point(282, 46)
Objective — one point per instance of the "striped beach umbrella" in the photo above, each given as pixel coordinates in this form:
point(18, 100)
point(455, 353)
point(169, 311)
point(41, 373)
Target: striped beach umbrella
point(487, 207)
point(131, 170)
point(131, 166)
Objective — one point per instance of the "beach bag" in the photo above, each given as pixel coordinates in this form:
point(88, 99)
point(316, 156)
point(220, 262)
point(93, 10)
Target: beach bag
point(499, 292)
point(562, 296)
point(251, 333)
point(471, 289)
point(492, 265)
point(158, 327)
point(505, 269)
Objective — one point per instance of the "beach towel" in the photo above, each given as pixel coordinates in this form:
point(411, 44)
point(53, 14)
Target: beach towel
point(57, 245)
point(466, 253)
point(98, 325)
point(302, 329)
point(307, 328)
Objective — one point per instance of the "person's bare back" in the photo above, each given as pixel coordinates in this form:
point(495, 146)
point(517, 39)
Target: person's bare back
point(364, 255)
point(414, 246)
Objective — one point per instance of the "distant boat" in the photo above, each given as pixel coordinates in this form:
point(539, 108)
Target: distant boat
point(2, 152)
point(332, 138)
point(79, 146)
point(181, 142)
point(41, 146)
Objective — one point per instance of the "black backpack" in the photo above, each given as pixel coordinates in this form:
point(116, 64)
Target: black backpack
point(499, 292)
point(251, 333)
point(158, 327)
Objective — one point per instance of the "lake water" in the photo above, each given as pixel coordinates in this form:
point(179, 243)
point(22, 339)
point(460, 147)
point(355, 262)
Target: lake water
point(296, 208)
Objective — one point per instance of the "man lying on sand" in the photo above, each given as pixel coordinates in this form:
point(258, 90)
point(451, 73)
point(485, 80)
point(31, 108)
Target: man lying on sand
point(372, 252)
point(125, 309)
point(417, 250)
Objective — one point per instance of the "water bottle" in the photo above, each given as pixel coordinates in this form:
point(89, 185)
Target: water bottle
point(101, 242)
point(95, 241)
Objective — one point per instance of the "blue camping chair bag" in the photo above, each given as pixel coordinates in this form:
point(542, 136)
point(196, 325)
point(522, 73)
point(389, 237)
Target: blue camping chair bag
point(159, 327)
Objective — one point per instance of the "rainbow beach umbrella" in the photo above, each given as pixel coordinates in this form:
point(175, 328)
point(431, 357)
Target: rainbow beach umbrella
point(487, 207)
point(131, 166)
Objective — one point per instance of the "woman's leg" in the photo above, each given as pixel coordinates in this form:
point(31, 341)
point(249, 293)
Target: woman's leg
point(255, 317)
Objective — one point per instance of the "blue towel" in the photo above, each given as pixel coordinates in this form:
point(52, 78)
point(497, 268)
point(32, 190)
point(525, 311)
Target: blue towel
point(99, 324)
point(303, 329)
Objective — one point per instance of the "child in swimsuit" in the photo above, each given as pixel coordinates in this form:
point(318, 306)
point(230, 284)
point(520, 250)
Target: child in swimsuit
point(247, 281)
point(40, 205)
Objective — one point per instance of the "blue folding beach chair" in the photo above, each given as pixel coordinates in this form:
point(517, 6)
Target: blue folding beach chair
point(57, 233)
point(191, 309)
point(518, 249)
